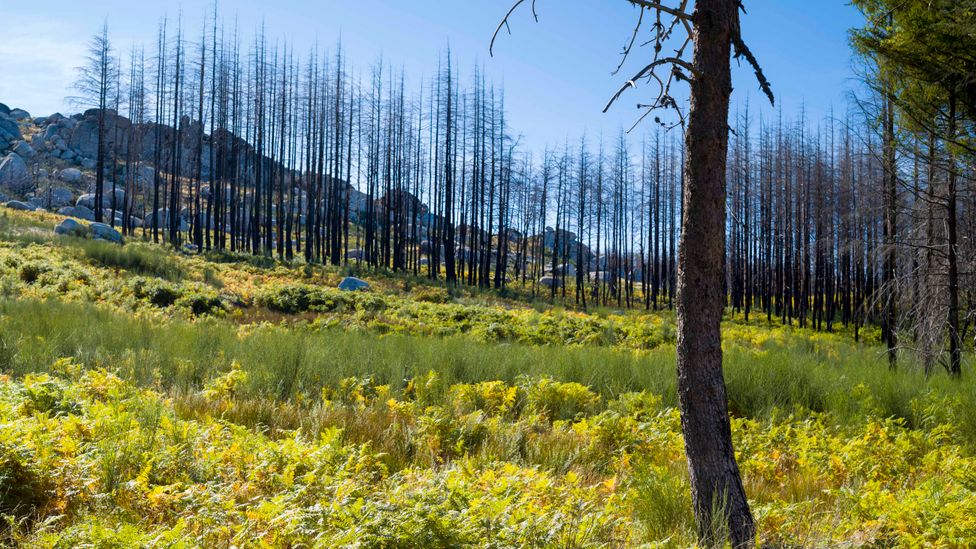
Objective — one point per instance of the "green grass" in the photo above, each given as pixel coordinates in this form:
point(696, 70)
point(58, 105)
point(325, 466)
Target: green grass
point(847, 381)
point(136, 257)
point(255, 400)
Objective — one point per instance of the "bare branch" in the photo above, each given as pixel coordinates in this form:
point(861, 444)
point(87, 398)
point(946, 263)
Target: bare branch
point(630, 45)
point(742, 50)
point(678, 13)
point(632, 83)
point(504, 23)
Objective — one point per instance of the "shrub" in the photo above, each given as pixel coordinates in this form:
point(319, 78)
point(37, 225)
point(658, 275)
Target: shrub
point(47, 395)
point(157, 292)
point(210, 277)
point(490, 397)
point(23, 489)
point(559, 400)
point(226, 385)
point(30, 272)
point(289, 299)
point(300, 298)
point(200, 303)
point(431, 294)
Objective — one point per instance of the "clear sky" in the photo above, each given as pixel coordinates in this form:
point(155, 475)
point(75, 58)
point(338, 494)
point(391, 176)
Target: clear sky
point(556, 74)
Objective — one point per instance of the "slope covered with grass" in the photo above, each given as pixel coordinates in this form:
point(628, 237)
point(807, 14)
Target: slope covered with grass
point(152, 398)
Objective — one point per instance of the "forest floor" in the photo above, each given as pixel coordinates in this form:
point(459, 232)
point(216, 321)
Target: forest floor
point(153, 398)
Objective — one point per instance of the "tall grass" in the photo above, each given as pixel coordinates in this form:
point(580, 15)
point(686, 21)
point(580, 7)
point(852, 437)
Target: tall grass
point(180, 355)
point(134, 257)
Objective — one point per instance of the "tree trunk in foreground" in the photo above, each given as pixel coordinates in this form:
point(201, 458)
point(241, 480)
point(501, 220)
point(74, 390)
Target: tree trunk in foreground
point(716, 487)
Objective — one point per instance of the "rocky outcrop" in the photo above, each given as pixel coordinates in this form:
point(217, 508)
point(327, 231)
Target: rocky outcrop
point(161, 220)
point(9, 132)
point(88, 200)
point(14, 176)
point(70, 175)
point(80, 212)
point(21, 206)
point(19, 115)
point(102, 231)
point(70, 227)
point(550, 282)
point(53, 197)
point(24, 150)
point(353, 284)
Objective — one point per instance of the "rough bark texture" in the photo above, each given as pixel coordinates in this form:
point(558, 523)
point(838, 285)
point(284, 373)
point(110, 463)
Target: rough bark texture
point(715, 482)
point(955, 339)
point(889, 318)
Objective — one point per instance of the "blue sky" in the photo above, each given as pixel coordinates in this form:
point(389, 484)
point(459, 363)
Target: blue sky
point(556, 74)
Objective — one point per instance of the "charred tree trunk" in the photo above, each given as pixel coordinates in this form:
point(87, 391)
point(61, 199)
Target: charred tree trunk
point(715, 481)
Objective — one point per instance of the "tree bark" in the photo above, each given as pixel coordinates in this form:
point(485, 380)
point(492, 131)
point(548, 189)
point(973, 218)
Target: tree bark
point(955, 340)
point(889, 319)
point(715, 482)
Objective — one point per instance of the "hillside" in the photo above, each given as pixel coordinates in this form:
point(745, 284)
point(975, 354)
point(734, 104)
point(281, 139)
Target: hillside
point(225, 400)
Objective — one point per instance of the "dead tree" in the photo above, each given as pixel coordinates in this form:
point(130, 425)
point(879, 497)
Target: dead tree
point(97, 80)
point(713, 30)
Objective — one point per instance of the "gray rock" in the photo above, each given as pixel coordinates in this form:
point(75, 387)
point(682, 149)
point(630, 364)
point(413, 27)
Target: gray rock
point(9, 130)
point(21, 206)
point(116, 219)
point(14, 175)
point(353, 284)
point(88, 163)
point(4, 109)
point(568, 269)
point(68, 155)
point(102, 231)
point(56, 197)
point(88, 200)
point(70, 227)
point(70, 175)
point(147, 175)
point(550, 282)
point(80, 212)
point(161, 220)
point(3, 197)
point(355, 254)
point(50, 133)
point(19, 114)
point(38, 143)
point(24, 149)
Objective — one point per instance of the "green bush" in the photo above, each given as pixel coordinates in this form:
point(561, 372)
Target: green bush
point(157, 292)
point(559, 400)
point(202, 304)
point(30, 272)
point(490, 397)
point(23, 489)
point(49, 396)
point(431, 294)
